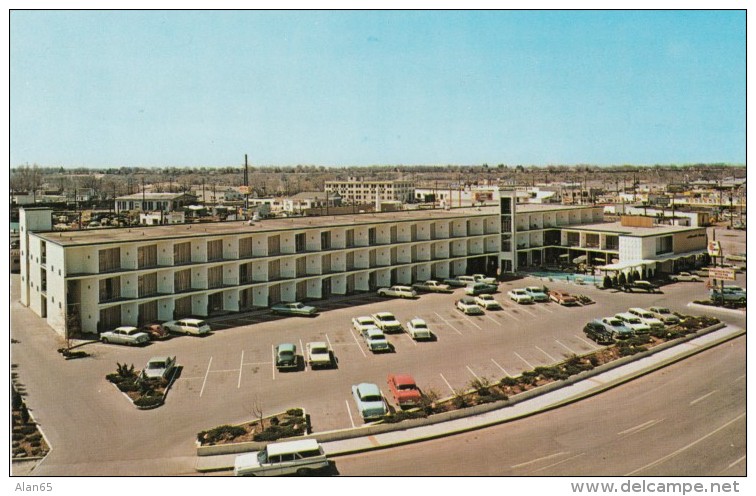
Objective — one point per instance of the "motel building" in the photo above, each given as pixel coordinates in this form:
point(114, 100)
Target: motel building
point(97, 279)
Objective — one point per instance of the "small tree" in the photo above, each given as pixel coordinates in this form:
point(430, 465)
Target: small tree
point(621, 279)
point(257, 410)
point(636, 276)
point(607, 282)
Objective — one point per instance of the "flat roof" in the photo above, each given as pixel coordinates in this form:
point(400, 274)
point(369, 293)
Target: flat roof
point(618, 228)
point(542, 207)
point(170, 231)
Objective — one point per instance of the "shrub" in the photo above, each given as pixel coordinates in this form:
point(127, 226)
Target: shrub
point(482, 386)
point(128, 386)
point(460, 400)
point(294, 412)
point(115, 378)
point(554, 373)
point(594, 360)
point(529, 377)
point(607, 282)
point(508, 381)
point(220, 433)
point(148, 401)
point(401, 415)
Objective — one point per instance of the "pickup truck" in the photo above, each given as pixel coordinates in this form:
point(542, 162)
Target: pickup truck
point(431, 287)
point(318, 355)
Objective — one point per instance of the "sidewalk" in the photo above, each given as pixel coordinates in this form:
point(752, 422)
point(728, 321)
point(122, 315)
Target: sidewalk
point(547, 401)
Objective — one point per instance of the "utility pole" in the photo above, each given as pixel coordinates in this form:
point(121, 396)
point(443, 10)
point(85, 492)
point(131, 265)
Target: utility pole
point(246, 183)
point(143, 195)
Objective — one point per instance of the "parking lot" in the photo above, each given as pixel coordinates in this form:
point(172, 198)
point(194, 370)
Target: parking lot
point(224, 374)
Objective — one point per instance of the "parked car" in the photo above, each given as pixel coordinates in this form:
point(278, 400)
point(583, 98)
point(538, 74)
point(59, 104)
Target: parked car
point(665, 315)
point(728, 293)
point(359, 324)
point(621, 331)
point(646, 286)
point(647, 318)
point(487, 302)
point(684, 277)
point(404, 390)
point(295, 308)
point(301, 457)
point(156, 331)
point(633, 322)
point(187, 326)
point(418, 329)
point(537, 293)
point(375, 339)
point(159, 367)
point(369, 400)
point(459, 281)
point(398, 292)
point(286, 356)
point(563, 298)
point(468, 306)
point(318, 354)
point(520, 296)
point(386, 322)
point(485, 279)
point(125, 335)
point(480, 288)
point(599, 332)
point(431, 287)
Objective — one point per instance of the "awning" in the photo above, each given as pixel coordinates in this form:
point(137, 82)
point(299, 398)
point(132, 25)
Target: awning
point(580, 259)
point(632, 264)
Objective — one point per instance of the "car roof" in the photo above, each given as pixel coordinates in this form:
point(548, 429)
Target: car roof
point(192, 321)
point(274, 449)
point(159, 359)
point(286, 347)
point(367, 388)
point(363, 317)
point(404, 379)
point(373, 330)
point(384, 314)
point(467, 299)
point(486, 296)
point(318, 344)
point(125, 328)
point(417, 320)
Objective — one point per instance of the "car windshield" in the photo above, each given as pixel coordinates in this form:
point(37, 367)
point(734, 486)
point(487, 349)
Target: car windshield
point(419, 325)
point(319, 349)
point(370, 397)
point(365, 321)
point(285, 353)
point(615, 323)
point(376, 335)
point(406, 387)
point(197, 324)
point(132, 332)
point(663, 311)
point(156, 365)
point(634, 320)
point(386, 317)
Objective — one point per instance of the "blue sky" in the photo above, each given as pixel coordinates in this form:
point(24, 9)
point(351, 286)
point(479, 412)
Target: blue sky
point(161, 88)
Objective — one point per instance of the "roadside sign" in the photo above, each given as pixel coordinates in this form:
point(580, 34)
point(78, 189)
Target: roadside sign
point(714, 249)
point(244, 190)
point(723, 274)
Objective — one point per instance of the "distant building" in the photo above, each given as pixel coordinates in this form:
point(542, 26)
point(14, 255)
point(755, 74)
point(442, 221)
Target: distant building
point(358, 190)
point(311, 199)
point(150, 202)
point(157, 218)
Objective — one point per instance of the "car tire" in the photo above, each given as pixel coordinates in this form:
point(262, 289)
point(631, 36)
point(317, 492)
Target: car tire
point(105, 340)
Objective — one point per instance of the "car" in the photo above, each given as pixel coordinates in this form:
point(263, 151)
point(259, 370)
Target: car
point(125, 335)
point(418, 329)
point(431, 287)
point(156, 331)
point(468, 306)
point(563, 298)
point(359, 324)
point(398, 292)
point(286, 356)
point(646, 286)
point(520, 296)
point(480, 288)
point(665, 315)
point(294, 308)
point(599, 332)
point(318, 354)
point(633, 322)
point(369, 401)
point(487, 302)
point(621, 331)
point(460, 281)
point(684, 277)
point(159, 367)
point(647, 318)
point(728, 293)
point(386, 322)
point(187, 326)
point(301, 457)
point(404, 390)
point(537, 293)
point(375, 339)
point(485, 279)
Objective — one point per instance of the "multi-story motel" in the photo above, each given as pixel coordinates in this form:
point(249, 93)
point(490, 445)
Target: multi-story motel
point(358, 190)
point(97, 279)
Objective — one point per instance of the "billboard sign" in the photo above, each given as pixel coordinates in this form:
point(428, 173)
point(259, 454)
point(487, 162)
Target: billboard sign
point(715, 250)
point(723, 274)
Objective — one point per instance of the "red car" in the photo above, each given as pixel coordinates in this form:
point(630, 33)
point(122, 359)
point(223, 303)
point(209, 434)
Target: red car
point(404, 389)
point(156, 331)
point(562, 297)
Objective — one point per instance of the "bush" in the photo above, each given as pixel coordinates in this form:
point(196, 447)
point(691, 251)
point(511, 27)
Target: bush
point(220, 433)
point(508, 381)
point(128, 386)
point(115, 378)
point(401, 415)
point(607, 282)
point(529, 377)
point(554, 373)
point(294, 412)
point(148, 401)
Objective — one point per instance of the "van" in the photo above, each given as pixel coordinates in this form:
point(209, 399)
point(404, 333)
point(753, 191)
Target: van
point(301, 457)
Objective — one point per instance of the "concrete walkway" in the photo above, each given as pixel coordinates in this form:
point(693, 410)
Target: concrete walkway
point(547, 401)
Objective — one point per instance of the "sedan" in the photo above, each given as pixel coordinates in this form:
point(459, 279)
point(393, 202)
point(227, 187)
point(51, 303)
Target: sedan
point(375, 339)
point(386, 322)
point(684, 277)
point(359, 324)
point(398, 292)
point(125, 335)
point(468, 306)
point(369, 400)
point(286, 356)
point(537, 293)
point(404, 389)
point(418, 329)
point(156, 331)
point(520, 296)
point(295, 308)
point(487, 302)
point(562, 297)
point(159, 367)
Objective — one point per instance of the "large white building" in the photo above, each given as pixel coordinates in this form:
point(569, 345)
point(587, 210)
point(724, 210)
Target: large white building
point(96, 279)
point(358, 190)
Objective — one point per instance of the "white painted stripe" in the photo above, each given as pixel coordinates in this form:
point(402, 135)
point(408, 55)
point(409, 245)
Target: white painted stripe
point(565, 347)
point(739, 378)
point(689, 445)
point(553, 360)
point(273, 363)
point(526, 362)
point(349, 411)
point(521, 307)
point(302, 350)
point(448, 324)
point(358, 343)
point(701, 398)
point(473, 373)
point(736, 461)
point(548, 457)
point(494, 320)
point(502, 368)
point(241, 367)
point(558, 463)
point(329, 342)
point(471, 321)
point(447, 383)
point(510, 315)
point(639, 427)
point(206, 374)
point(587, 342)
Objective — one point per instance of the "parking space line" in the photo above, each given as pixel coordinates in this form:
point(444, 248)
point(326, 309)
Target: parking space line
point(544, 308)
point(471, 321)
point(330, 346)
point(553, 360)
point(494, 320)
point(502, 368)
point(587, 342)
point(206, 374)
point(526, 362)
point(358, 343)
point(241, 366)
point(473, 373)
point(527, 311)
point(304, 358)
point(349, 411)
point(510, 315)
point(447, 323)
point(565, 347)
point(447, 383)
point(273, 355)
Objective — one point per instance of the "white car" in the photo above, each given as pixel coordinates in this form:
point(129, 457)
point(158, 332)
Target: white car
point(398, 292)
point(684, 277)
point(633, 323)
point(418, 329)
point(159, 367)
point(187, 326)
point(485, 279)
point(648, 318)
point(520, 296)
point(487, 302)
point(375, 339)
point(537, 293)
point(665, 315)
point(468, 306)
point(125, 335)
point(359, 324)
point(386, 322)
point(318, 354)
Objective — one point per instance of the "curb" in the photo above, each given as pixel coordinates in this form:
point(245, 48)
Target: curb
point(710, 308)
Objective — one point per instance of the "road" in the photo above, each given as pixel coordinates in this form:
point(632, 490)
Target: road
point(687, 419)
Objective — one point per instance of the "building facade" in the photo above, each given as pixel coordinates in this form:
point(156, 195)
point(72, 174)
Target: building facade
point(149, 202)
point(357, 190)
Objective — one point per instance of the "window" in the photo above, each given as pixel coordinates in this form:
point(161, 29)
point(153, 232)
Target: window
point(573, 239)
point(147, 256)
point(215, 249)
point(182, 280)
point(663, 245)
point(110, 289)
point(506, 206)
point(110, 259)
point(506, 242)
point(612, 242)
point(182, 253)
